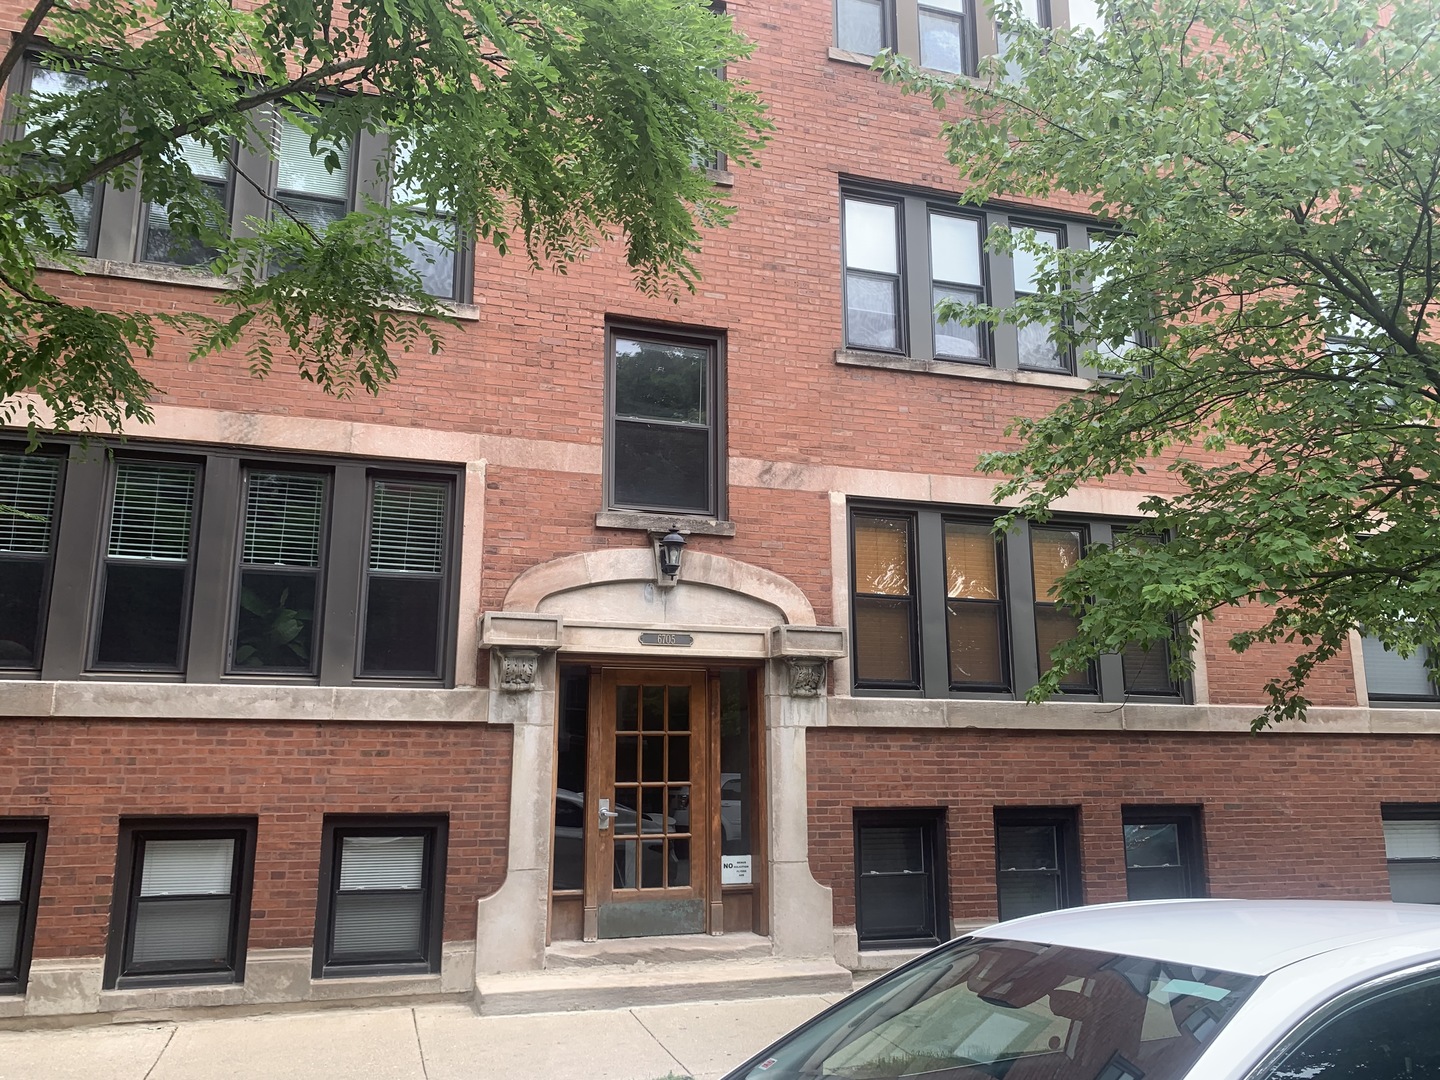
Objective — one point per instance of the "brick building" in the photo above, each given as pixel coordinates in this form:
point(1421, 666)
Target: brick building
point(307, 699)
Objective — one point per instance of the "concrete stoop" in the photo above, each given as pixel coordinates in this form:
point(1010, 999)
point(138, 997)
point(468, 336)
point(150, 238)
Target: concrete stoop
point(580, 986)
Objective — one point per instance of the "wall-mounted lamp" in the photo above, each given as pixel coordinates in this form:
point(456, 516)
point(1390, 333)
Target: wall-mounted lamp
point(668, 549)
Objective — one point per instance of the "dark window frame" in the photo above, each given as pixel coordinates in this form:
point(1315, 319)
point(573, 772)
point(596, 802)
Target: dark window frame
point(1065, 820)
point(17, 91)
point(1190, 834)
point(248, 469)
point(33, 832)
point(436, 829)
point(912, 599)
point(134, 833)
point(904, 331)
point(1000, 343)
point(18, 670)
point(1046, 604)
point(187, 603)
point(82, 520)
point(119, 221)
point(929, 626)
point(715, 342)
point(1066, 239)
point(931, 822)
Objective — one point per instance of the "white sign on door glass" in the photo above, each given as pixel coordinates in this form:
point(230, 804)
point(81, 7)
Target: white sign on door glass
point(735, 870)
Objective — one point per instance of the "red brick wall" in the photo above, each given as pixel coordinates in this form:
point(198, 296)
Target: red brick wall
point(86, 775)
point(1283, 815)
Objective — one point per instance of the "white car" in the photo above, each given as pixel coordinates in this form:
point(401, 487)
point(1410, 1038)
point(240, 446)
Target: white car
point(1159, 990)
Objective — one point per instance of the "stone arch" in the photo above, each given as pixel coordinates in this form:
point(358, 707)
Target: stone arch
point(626, 579)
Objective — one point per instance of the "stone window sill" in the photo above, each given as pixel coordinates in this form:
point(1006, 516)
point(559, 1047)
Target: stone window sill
point(720, 177)
point(650, 523)
point(162, 274)
point(957, 370)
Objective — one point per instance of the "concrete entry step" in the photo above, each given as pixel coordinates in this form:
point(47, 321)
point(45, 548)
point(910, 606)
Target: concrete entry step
point(678, 949)
point(576, 988)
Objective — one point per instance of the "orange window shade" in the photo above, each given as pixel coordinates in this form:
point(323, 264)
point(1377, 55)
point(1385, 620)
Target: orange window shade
point(1052, 553)
point(970, 572)
point(882, 556)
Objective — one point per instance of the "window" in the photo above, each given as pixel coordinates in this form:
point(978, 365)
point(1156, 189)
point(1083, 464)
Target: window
point(182, 902)
point(279, 576)
point(382, 896)
point(942, 606)
point(312, 185)
point(145, 580)
point(1053, 553)
point(434, 251)
point(280, 176)
point(900, 878)
point(945, 36)
point(864, 26)
point(22, 858)
point(41, 84)
point(206, 566)
point(665, 449)
point(1381, 1031)
point(1412, 853)
point(1162, 852)
point(29, 489)
point(904, 253)
point(1390, 677)
point(163, 241)
point(1038, 348)
point(1037, 860)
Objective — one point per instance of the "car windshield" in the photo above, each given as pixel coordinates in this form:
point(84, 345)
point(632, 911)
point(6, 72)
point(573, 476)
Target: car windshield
point(985, 1009)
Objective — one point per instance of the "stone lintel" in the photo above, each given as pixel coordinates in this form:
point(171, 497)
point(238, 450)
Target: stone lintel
point(807, 642)
point(520, 629)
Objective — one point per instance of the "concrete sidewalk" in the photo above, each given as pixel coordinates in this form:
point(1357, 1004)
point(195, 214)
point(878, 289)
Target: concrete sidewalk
point(425, 1042)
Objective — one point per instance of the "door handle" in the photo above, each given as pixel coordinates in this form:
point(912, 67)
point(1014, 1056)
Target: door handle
point(606, 814)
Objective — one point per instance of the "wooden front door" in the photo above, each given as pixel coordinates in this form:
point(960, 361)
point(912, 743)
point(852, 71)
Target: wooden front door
point(648, 806)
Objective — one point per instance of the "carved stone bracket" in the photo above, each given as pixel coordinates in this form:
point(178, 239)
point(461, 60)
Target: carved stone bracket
point(517, 669)
point(807, 676)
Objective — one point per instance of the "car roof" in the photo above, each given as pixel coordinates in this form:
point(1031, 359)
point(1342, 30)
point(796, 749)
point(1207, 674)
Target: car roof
point(1250, 937)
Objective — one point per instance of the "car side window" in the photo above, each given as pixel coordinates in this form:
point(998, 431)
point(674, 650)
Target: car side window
point(1394, 1033)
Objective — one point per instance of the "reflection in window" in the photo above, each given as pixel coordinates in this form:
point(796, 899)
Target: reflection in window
point(872, 275)
point(280, 572)
point(405, 578)
point(973, 606)
point(884, 598)
point(663, 447)
point(1038, 348)
point(861, 26)
point(944, 34)
point(166, 241)
point(1053, 553)
point(313, 186)
point(50, 87)
point(955, 269)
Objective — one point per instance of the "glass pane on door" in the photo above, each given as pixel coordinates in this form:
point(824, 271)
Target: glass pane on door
point(651, 793)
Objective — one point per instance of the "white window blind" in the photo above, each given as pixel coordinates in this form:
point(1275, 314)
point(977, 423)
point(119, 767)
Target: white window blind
point(382, 862)
point(407, 527)
point(191, 932)
point(152, 513)
point(12, 873)
point(303, 172)
point(283, 513)
point(187, 867)
point(376, 925)
point(1412, 839)
point(27, 483)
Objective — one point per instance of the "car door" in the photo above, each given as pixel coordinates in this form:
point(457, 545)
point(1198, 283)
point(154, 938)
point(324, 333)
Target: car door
point(1388, 1029)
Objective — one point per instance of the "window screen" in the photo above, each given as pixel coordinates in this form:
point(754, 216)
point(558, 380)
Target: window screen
point(1412, 856)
